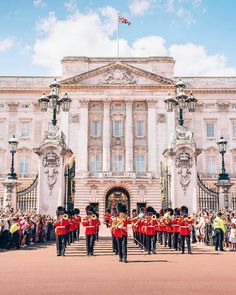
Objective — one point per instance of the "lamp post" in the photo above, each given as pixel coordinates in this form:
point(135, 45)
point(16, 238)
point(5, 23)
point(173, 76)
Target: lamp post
point(222, 144)
point(13, 144)
point(181, 101)
point(54, 102)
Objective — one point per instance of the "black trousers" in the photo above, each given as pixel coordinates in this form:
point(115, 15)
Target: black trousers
point(169, 240)
point(219, 237)
point(187, 238)
point(114, 244)
point(165, 238)
point(90, 239)
point(61, 244)
point(4, 239)
point(160, 237)
point(122, 248)
point(14, 241)
point(176, 241)
point(151, 244)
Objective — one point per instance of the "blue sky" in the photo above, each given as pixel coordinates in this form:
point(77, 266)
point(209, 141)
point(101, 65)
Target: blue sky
point(36, 34)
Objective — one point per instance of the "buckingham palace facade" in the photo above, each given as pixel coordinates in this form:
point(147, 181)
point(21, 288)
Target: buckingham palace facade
point(117, 126)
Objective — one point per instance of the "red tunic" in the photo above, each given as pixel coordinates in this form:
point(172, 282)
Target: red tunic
point(90, 226)
point(175, 225)
point(184, 228)
point(61, 227)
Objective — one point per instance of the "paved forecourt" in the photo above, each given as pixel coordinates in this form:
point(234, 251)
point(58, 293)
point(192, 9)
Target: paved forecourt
point(37, 270)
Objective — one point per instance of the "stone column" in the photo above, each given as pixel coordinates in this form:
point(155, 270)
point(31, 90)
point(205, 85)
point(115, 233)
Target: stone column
point(129, 166)
point(106, 156)
point(152, 137)
point(224, 194)
point(83, 137)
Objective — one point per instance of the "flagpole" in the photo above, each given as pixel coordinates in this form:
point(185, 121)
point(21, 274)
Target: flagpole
point(117, 34)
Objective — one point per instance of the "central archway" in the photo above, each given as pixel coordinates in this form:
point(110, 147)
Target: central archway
point(116, 195)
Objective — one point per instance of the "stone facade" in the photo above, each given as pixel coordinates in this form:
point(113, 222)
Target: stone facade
point(117, 126)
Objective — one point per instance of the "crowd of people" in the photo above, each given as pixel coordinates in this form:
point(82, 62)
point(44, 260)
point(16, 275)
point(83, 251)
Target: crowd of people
point(23, 229)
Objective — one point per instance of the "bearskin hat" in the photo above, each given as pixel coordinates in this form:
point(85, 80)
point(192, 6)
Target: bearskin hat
point(77, 211)
point(89, 208)
point(183, 210)
point(121, 208)
point(60, 210)
point(176, 211)
point(157, 215)
point(108, 210)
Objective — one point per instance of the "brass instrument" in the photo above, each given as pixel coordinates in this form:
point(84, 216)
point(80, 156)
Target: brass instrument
point(154, 217)
point(120, 222)
point(93, 216)
point(65, 216)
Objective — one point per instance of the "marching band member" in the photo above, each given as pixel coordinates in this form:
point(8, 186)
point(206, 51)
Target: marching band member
point(161, 227)
point(113, 237)
point(78, 221)
point(97, 226)
point(185, 222)
point(90, 224)
point(150, 229)
point(107, 217)
point(61, 225)
point(176, 226)
point(168, 229)
point(121, 231)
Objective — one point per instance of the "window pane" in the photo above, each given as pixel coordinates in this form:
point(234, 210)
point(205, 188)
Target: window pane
point(95, 163)
point(234, 129)
point(117, 128)
point(24, 163)
point(140, 128)
point(96, 128)
point(210, 129)
point(117, 163)
point(25, 129)
point(211, 164)
point(140, 163)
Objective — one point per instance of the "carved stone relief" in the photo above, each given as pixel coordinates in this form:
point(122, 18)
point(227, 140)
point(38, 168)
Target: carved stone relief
point(183, 163)
point(51, 162)
point(118, 76)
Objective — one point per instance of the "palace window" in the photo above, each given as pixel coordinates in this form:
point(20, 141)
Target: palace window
point(96, 128)
point(95, 163)
point(211, 164)
point(118, 163)
point(140, 128)
point(25, 129)
point(2, 129)
point(234, 129)
point(117, 128)
point(139, 163)
point(24, 165)
point(210, 130)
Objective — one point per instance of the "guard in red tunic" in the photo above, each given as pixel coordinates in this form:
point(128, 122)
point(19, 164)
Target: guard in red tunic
point(61, 229)
point(78, 221)
point(107, 217)
point(150, 230)
point(185, 222)
point(175, 227)
point(90, 224)
point(121, 231)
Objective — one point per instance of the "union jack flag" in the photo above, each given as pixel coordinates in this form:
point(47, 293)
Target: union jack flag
point(124, 21)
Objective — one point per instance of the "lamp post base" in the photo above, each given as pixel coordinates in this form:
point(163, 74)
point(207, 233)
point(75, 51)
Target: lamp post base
point(12, 175)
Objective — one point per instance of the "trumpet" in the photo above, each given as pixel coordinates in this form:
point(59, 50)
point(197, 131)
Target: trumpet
point(94, 217)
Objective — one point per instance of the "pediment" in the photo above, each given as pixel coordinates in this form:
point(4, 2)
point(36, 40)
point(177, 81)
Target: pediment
point(117, 73)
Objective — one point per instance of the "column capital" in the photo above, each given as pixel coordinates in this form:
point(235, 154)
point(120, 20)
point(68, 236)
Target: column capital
point(84, 102)
point(106, 101)
point(151, 102)
point(128, 101)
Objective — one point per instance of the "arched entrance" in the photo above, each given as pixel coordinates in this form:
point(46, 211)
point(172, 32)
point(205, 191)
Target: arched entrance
point(116, 195)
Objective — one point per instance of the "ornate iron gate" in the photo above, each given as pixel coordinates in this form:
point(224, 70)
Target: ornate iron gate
point(26, 199)
point(165, 187)
point(69, 185)
point(208, 199)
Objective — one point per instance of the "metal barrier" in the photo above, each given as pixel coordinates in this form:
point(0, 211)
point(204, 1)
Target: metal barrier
point(208, 199)
point(26, 199)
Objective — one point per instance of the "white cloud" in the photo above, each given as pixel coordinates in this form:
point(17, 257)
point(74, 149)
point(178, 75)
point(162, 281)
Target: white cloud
point(39, 3)
point(186, 15)
point(93, 34)
point(6, 44)
point(71, 5)
point(139, 7)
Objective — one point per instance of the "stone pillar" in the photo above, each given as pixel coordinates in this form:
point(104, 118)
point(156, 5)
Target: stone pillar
point(52, 153)
point(65, 125)
point(10, 200)
point(129, 157)
point(182, 160)
point(224, 194)
point(152, 137)
point(83, 138)
point(106, 156)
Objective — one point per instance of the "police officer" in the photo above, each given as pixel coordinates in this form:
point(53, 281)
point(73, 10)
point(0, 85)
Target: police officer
point(219, 227)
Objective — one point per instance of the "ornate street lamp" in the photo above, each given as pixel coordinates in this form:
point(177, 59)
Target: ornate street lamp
point(53, 101)
point(181, 101)
point(222, 143)
point(13, 144)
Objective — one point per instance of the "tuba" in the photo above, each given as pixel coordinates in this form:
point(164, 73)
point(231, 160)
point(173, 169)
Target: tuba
point(94, 217)
point(154, 217)
point(65, 216)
